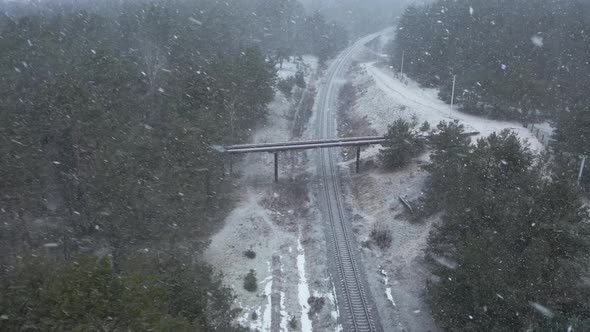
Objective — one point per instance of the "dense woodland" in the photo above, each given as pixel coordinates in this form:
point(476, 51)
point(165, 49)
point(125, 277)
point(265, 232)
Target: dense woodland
point(511, 251)
point(107, 120)
point(513, 59)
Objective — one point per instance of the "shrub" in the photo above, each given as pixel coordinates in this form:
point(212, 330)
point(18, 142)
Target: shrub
point(250, 282)
point(300, 79)
point(425, 126)
point(315, 304)
point(250, 254)
point(286, 85)
point(254, 315)
point(381, 235)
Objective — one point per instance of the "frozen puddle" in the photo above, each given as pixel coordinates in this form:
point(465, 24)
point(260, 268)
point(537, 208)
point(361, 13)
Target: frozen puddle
point(303, 289)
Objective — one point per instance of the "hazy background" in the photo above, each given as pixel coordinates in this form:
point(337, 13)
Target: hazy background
point(361, 16)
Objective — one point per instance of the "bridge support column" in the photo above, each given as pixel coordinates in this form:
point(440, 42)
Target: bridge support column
point(358, 158)
point(276, 167)
point(231, 164)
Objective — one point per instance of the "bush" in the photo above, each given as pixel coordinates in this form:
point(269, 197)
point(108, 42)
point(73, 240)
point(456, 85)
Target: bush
point(401, 145)
point(286, 85)
point(425, 126)
point(315, 305)
point(381, 235)
point(254, 315)
point(250, 282)
point(250, 254)
point(300, 79)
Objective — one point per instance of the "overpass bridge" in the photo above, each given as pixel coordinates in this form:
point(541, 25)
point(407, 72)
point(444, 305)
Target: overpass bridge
point(278, 147)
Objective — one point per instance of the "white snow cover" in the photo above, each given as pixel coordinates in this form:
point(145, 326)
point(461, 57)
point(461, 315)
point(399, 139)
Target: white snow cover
point(425, 104)
point(291, 66)
point(303, 288)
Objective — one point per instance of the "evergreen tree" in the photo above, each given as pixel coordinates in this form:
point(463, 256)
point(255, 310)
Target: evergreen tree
point(401, 145)
point(515, 240)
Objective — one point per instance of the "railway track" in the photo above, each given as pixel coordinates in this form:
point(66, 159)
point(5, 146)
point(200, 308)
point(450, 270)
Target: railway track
point(356, 308)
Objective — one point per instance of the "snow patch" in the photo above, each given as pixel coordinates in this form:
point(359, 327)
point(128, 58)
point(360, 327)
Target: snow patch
point(303, 289)
point(411, 99)
point(389, 296)
point(266, 317)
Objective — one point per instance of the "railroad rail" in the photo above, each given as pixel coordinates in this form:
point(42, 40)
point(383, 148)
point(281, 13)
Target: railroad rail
point(357, 312)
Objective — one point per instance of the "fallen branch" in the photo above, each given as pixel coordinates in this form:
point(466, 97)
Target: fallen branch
point(407, 204)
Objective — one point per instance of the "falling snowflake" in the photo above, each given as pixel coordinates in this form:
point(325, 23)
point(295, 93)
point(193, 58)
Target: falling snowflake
point(470, 10)
point(537, 40)
point(194, 20)
point(542, 309)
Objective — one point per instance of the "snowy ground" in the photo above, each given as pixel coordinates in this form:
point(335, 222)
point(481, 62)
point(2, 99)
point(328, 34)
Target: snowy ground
point(278, 221)
point(407, 99)
point(398, 275)
point(290, 67)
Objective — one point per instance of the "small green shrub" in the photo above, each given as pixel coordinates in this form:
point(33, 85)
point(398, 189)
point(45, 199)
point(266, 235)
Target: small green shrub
point(286, 85)
point(300, 79)
point(250, 254)
point(250, 282)
point(381, 235)
point(425, 126)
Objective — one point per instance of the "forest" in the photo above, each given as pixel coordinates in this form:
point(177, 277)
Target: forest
point(510, 252)
point(108, 176)
point(513, 239)
point(524, 60)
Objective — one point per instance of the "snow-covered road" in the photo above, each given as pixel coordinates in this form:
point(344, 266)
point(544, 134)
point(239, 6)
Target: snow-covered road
point(426, 105)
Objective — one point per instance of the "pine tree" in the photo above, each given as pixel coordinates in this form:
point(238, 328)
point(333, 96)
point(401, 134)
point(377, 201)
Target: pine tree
point(401, 145)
